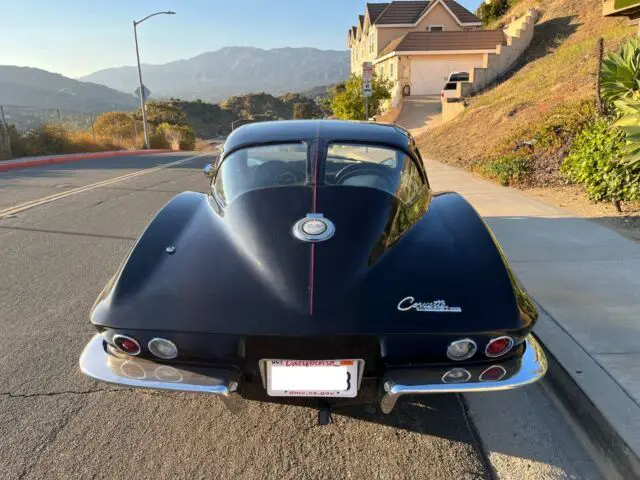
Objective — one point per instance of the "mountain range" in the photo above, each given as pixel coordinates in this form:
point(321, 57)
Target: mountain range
point(32, 87)
point(214, 76)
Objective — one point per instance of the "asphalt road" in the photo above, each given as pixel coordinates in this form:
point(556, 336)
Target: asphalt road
point(56, 256)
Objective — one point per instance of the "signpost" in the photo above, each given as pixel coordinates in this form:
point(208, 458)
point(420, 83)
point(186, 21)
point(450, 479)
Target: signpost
point(146, 92)
point(367, 78)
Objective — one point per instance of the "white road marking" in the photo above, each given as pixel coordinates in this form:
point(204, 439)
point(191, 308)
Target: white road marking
point(57, 196)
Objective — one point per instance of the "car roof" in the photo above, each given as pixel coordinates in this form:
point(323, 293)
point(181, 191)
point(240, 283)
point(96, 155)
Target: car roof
point(282, 131)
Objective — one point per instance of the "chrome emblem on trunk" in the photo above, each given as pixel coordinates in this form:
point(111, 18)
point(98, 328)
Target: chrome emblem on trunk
point(409, 303)
point(314, 228)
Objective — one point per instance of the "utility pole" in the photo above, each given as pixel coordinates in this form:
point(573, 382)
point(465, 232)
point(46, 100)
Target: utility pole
point(142, 89)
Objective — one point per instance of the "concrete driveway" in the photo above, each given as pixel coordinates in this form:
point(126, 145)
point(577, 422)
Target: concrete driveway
point(419, 113)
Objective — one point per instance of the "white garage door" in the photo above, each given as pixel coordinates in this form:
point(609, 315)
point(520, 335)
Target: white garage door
point(428, 76)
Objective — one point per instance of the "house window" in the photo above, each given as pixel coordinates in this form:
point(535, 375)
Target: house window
point(391, 70)
point(436, 28)
point(382, 71)
point(371, 42)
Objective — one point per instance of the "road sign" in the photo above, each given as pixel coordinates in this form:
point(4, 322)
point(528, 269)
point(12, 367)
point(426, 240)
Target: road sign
point(366, 89)
point(367, 77)
point(367, 71)
point(147, 92)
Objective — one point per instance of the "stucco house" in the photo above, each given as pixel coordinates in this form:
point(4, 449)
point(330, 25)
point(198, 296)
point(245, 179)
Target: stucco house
point(417, 44)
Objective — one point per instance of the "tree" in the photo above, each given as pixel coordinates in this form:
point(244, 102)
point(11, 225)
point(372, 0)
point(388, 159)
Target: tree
point(348, 103)
point(302, 111)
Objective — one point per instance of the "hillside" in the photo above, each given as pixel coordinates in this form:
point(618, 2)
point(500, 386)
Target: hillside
point(33, 87)
point(543, 99)
point(214, 76)
point(210, 120)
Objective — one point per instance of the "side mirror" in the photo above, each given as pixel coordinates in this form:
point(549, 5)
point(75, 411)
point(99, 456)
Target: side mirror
point(209, 170)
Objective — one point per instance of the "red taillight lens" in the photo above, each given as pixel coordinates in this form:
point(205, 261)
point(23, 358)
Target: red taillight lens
point(128, 345)
point(499, 346)
point(493, 374)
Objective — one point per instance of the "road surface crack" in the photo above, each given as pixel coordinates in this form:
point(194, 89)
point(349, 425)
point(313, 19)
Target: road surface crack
point(65, 392)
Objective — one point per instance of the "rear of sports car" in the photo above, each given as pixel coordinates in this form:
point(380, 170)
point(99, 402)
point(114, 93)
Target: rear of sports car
point(316, 270)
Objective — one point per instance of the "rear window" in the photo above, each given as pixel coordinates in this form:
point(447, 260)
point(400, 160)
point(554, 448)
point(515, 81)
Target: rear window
point(259, 167)
point(387, 169)
point(459, 77)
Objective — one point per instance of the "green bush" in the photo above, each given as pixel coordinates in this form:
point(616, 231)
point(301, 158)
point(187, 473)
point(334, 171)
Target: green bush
point(594, 161)
point(512, 169)
point(489, 12)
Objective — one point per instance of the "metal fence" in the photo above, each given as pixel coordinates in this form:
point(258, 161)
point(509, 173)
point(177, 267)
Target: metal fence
point(26, 118)
point(20, 129)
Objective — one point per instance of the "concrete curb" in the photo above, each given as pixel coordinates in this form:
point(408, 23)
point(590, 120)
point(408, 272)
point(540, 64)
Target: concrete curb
point(7, 165)
point(602, 414)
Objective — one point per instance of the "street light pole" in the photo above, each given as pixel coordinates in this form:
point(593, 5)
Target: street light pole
point(142, 95)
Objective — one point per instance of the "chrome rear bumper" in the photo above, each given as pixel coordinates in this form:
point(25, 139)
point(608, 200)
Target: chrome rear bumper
point(97, 363)
point(520, 371)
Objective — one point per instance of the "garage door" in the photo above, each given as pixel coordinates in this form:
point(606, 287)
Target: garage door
point(428, 76)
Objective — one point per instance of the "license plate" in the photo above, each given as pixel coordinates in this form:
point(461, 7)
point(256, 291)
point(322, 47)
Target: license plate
point(313, 378)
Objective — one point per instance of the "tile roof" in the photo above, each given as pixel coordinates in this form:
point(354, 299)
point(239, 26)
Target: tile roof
point(401, 12)
point(440, 41)
point(375, 9)
point(464, 15)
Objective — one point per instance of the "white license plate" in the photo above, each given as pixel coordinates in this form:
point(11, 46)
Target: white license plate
point(313, 378)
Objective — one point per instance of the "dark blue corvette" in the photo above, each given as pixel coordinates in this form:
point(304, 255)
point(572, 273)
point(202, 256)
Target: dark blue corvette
point(321, 265)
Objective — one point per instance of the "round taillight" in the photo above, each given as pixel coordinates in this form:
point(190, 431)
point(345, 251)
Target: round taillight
point(126, 344)
point(498, 346)
point(493, 374)
point(461, 349)
point(163, 348)
point(456, 375)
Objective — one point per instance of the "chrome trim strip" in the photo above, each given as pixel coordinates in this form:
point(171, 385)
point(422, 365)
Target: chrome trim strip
point(96, 363)
point(533, 365)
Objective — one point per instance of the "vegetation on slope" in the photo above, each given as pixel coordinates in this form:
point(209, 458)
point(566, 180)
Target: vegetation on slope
point(520, 131)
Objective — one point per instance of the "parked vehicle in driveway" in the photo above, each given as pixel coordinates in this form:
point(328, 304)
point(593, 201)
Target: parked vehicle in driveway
point(451, 85)
point(320, 268)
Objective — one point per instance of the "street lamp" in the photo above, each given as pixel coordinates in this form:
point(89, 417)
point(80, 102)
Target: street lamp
point(144, 112)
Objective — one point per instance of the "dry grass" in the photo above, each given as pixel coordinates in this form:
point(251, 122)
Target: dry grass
point(559, 68)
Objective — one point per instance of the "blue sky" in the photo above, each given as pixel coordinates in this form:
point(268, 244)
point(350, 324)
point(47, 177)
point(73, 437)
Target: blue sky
point(77, 37)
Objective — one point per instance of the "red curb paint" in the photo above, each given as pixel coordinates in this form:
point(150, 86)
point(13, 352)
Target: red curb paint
point(74, 157)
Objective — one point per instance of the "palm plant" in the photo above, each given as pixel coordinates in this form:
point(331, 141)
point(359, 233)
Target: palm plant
point(621, 86)
point(621, 72)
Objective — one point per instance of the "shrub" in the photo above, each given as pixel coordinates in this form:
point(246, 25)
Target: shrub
point(593, 161)
point(489, 12)
point(512, 169)
point(348, 103)
point(176, 137)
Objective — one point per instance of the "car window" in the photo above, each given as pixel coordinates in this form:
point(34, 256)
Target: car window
point(459, 77)
point(258, 167)
point(387, 169)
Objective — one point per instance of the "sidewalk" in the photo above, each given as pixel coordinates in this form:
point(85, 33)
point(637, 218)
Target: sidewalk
point(585, 277)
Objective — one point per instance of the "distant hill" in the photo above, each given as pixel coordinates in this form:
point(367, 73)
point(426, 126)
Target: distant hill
point(33, 87)
point(214, 76)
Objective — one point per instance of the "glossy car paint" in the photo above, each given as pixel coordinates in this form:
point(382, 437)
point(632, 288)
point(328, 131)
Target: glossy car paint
point(241, 287)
